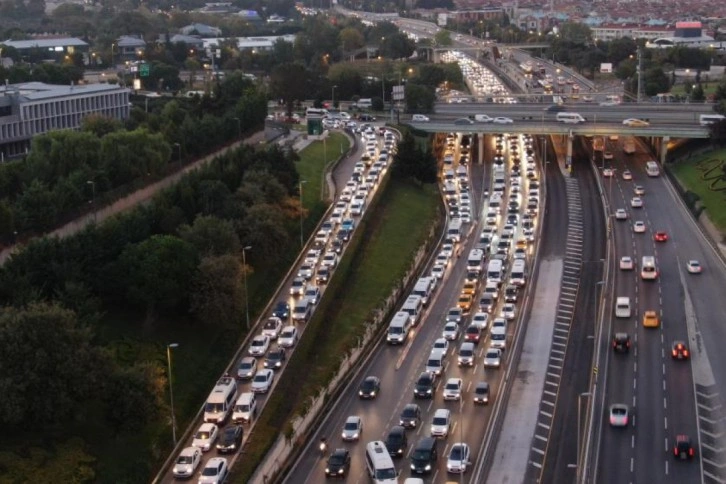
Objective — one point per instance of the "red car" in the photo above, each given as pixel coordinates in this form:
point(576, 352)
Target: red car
point(660, 237)
point(683, 449)
point(680, 351)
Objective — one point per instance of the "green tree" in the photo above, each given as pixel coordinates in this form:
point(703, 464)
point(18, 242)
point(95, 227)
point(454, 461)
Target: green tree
point(264, 229)
point(655, 81)
point(419, 99)
point(443, 38)
point(411, 161)
point(100, 125)
point(35, 209)
point(218, 295)
point(211, 236)
point(134, 395)
point(351, 39)
point(697, 94)
point(397, 46)
point(575, 33)
point(291, 83)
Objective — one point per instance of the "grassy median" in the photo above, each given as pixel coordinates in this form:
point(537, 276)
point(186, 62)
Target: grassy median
point(704, 175)
point(377, 258)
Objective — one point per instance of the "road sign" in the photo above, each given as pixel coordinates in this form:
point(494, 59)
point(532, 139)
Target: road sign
point(398, 93)
point(144, 70)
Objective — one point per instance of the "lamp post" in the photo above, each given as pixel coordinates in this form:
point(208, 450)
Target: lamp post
point(332, 95)
point(178, 147)
point(169, 347)
point(579, 437)
point(93, 198)
point(247, 303)
point(239, 127)
point(302, 209)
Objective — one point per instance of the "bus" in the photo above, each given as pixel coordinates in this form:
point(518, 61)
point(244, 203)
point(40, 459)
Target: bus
point(706, 119)
point(648, 270)
point(652, 168)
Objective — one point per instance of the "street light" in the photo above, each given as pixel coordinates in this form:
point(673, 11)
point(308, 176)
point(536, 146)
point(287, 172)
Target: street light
point(333, 96)
point(178, 147)
point(302, 209)
point(239, 127)
point(169, 347)
point(247, 303)
point(93, 198)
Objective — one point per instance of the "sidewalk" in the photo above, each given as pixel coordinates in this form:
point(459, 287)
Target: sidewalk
point(140, 196)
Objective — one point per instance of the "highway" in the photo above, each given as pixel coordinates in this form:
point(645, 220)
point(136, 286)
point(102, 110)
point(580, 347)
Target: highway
point(659, 389)
point(399, 367)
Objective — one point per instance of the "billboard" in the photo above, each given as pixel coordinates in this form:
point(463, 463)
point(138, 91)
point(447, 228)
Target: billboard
point(606, 67)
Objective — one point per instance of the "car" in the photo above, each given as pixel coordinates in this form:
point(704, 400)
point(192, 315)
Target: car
point(465, 301)
point(639, 190)
point(660, 236)
point(438, 271)
point(555, 108)
point(451, 331)
point(683, 448)
point(410, 416)
point(312, 292)
point(639, 227)
point(636, 202)
point(396, 441)
point(481, 320)
point(425, 385)
point(608, 172)
point(441, 423)
point(231, 440)
point(454, 315)
point(463, 121)
point(282, 310)
point(298, 287)
point(247, 368)
point(352, 428)
point(621, 342)
point(679, 351)
point(650, 319)
point(621, 214)
point(619, 415)
point(635, 123)
point(626, 263)
point(627, 175)
point(694, 267)
point(305, 272)
point(338, 463)
point(469, 287)
point(275, 358)
point(272, 327)
point(473, 334)
point(262, 381)
point(509, 311)
point(502, 120)
point(259, 345)
point(458, 459)
point(481, 393)
point(206, 436)
point(493, 358)
point(453, 389)
point(441, 344)
point(607, 155)
point(483, 118)
point(215, 472)
point(370, 387)
point(421, 118)
point(187, 462)
point(288, 337)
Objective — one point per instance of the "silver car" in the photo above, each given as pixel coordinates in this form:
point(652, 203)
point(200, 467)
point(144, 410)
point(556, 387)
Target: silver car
point(352, 428)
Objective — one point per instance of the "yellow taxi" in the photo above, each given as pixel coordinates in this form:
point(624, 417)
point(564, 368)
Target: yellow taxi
point(465, 302)
point(650, 319)
point(522, 244)
point(469, 288)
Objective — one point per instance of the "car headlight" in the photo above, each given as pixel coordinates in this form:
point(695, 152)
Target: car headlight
point(327, 471)
point(341, 471)
point(428, 467)
point(428, 391)
point(360, 393)
point(413, 467)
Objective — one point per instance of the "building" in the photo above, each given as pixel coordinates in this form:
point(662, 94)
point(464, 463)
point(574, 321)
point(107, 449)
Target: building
point(256, 44)
point(129, 47)
point(201, 30)
point(48, 48)
point(33, 108)
point(192, 41)
point(608, 32)
point(687, 34)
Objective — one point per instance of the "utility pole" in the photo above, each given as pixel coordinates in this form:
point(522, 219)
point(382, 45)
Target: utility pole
point(640, 74)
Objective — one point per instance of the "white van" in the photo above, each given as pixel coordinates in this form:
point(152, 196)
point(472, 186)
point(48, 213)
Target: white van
point(454, 229)
point(302, 311)
point(450, 190)
point(380, 464)
point(414, 307)
point(245, 409)
point(706, 119)
point(461, 172)
point(648, 270)
point(423, 288)
point(518, 277)
point(622, 307)
point(435, 363)
point(449, 175)
point(476, 257)
point(365, 103)
point(221, 400)
point(498, 337)
point(494, 270)
point(398, 328)
point(573, 118)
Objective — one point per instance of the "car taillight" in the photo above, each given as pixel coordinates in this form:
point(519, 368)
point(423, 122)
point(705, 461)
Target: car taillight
point(675, 451)
point(690, 451)
point(685, 352)
point(674, 352)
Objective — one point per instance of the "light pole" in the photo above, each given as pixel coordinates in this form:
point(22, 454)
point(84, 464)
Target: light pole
point(302, 209)
point(247, 303)
point(169, 347)
point(93, 198)
point(332, 95)
point(579, 437)
point(239, 127)
point(178, 147)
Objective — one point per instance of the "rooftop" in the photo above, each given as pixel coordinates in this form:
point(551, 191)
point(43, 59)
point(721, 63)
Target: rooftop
point(35, 91)
point(45, 43)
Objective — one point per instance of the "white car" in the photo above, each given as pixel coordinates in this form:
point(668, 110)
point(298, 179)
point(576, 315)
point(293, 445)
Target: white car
point(259, 346)
point(272, 327)
point(636, 202)
point(305, 271)
point(442, 344)
point(493, 358)
point(607, 172)
point(509, 311)
point(607, 155)
point(187, 462)
point(330, 259)
point(619, 415)
point(621, 214)
point(298, 287)
point(311, 257)
point(451, 331)
point(312, 293)
point(205, 436)
point(502, 120)
point(447, 249)
point(639, 227)
point(639, 190)
point(627, 175)
point(481, 320)
point(458, 459)
point(694, 267)
point(441, 423)
point(215, 472)
point(438, 271)
point(483, 118)
point(626, 263)
point(288, 337)
point(453, 388)
point(262, 381)
point(352, 428)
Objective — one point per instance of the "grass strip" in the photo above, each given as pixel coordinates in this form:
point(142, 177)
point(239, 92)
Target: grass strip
point(704, 175)
point(378, 257)
point(311, 167)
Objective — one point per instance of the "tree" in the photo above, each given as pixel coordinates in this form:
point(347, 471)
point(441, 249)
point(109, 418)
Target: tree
point(718, 134)
point(575, 33)
point(351, 39)
point(35, 208)
point(134, 395)
point(290, 83)
point(211, 236)
point(655, 81)
point(157, 271)
point(218, 295)
point(697, 94)
point(100, 125)
point(620, 49)
point(443, 38)
point(419, 99)
point(264, 229)
point(397, 46)
point(411, 161)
